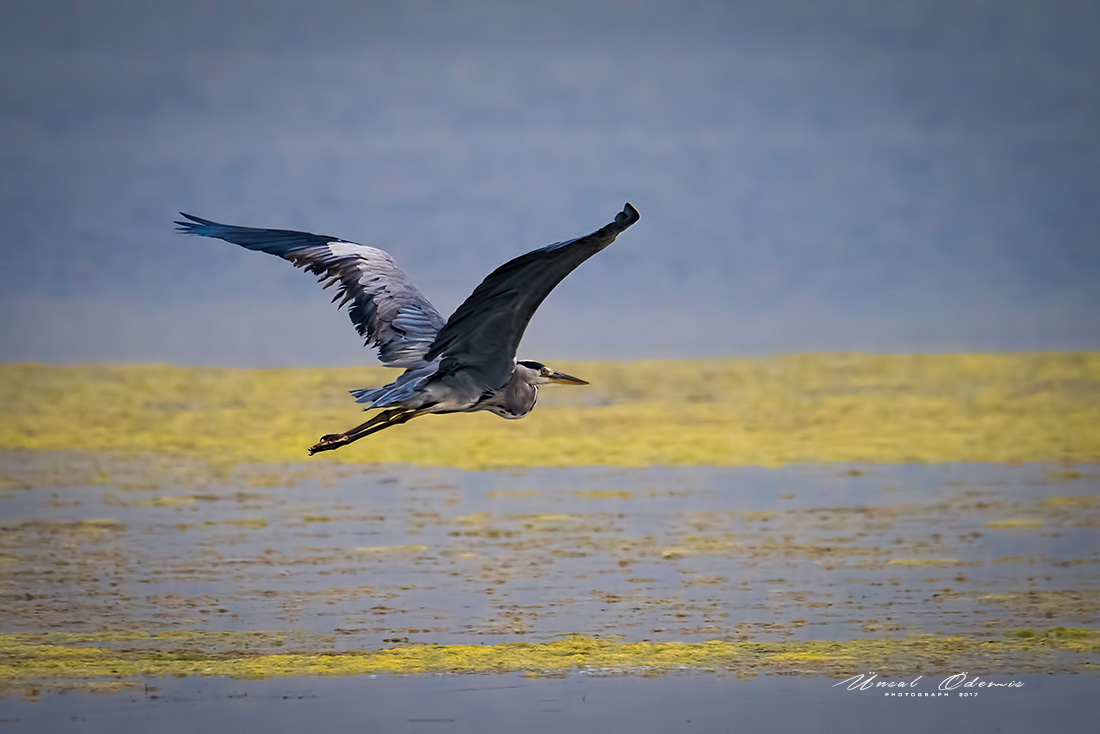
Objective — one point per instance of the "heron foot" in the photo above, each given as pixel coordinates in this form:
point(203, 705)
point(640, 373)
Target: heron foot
point(329, 442)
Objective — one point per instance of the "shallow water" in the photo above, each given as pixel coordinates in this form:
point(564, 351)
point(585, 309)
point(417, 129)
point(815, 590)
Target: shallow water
point(397, 557)
point(415, 556)
point(453, 704)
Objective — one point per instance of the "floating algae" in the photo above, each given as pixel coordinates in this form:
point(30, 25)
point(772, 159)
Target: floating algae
point(1015, 523)
point(1071, 502)
point(774, 411)
point(72, 661)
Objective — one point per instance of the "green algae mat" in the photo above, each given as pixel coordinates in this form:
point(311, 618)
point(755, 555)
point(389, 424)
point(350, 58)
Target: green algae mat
point(730, 412)
point(84, 659)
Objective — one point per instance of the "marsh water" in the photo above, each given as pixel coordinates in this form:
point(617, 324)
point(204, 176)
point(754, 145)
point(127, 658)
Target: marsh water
point(444, 556)
point(885, 177)
point(405, 556)
point(509, 703)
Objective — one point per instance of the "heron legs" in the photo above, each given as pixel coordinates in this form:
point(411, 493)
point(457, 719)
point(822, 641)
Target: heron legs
point(383, 420)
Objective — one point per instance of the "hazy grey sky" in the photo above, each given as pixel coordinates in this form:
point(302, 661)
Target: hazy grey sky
point(811, 176)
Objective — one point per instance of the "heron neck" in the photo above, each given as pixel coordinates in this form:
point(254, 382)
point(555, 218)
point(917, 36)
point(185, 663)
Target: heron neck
point(520, 394)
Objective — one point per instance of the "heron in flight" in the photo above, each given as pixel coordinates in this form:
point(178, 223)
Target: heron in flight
point(460, 365)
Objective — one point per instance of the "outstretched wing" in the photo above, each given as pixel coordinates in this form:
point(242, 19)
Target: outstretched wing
point(484, 333)
point(386, 309)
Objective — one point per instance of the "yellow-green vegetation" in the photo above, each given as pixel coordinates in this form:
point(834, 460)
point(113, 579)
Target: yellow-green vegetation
point(1083, 503)
point(774, 411)
point(392, 549)
point(66, 658)
point(1016, 523)
point(604, 494)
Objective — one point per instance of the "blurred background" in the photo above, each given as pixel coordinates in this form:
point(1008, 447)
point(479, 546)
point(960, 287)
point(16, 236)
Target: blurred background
point(852, 175)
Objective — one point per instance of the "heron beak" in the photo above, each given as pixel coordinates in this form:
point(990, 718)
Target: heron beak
point(563, 379)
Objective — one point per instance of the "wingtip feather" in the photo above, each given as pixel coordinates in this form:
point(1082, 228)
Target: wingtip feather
point(194, 225)
point(628, 216)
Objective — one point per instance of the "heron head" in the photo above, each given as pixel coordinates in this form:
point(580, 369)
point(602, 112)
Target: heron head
point(542, 375)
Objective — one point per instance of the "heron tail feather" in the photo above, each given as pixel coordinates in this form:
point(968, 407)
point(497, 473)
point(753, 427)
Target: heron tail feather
point(369, 394)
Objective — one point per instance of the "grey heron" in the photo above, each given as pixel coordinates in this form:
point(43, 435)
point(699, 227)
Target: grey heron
point(464, 364)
